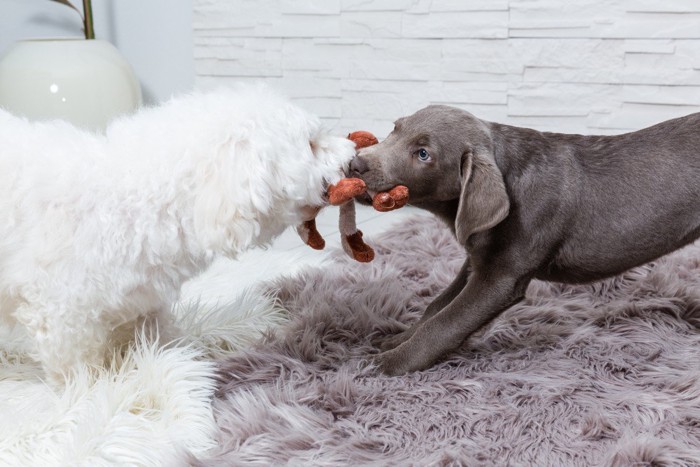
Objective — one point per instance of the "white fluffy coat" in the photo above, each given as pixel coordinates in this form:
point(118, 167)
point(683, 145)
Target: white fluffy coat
point(101, 230)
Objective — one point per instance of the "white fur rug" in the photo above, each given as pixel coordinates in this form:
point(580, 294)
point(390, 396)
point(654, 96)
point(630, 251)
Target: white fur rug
point(152, 407)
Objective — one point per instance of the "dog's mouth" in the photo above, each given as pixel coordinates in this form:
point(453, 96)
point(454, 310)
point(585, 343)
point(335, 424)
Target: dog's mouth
point(365, 198)
point(368, 196)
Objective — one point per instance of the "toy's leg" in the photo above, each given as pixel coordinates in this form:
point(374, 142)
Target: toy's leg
point(351, 238)
point(309, 235)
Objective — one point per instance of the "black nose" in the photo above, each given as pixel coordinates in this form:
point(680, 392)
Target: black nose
point(358, 166)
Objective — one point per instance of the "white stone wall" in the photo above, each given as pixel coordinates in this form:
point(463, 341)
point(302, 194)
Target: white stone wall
point(586, 66)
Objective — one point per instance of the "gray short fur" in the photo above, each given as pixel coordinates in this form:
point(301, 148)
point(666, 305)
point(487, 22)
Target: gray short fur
point(526, 204)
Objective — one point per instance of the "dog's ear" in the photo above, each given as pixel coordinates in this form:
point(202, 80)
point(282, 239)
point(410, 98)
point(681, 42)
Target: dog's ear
point(225, 217)
point(483, 200)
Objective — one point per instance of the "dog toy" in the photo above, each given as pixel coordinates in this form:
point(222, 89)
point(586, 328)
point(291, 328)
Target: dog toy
point(384, 201)
point(342, 194)
point(395, 198)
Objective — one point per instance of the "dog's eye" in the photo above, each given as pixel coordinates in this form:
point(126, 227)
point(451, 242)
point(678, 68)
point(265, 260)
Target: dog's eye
point(423, 155)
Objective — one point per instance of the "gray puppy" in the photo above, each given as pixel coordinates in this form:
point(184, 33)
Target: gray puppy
point(526, 204)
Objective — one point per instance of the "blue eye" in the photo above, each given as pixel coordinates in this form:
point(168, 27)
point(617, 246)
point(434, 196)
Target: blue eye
point(423, 155)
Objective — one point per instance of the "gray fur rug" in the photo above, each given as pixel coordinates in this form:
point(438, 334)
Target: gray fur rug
point(599, 374)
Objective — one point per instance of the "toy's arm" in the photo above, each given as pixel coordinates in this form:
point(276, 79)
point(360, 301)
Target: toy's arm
point(351, 236)
point(345, 190)
point(342, 194)
point(395, 198)
point(309, 235)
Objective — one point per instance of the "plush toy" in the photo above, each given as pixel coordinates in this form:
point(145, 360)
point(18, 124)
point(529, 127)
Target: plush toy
point(395, 198)
point(385, 201)
point(342, 194)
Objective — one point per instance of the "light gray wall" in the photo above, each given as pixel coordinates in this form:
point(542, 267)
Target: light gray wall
point(155, 36)
point(590, 66)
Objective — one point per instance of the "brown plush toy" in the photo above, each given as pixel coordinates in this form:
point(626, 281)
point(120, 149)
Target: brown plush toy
point(342, 194)
point(395, 198)
point(384, 201)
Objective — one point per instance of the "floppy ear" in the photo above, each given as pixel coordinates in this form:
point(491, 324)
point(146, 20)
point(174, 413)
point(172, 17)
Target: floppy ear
point(225, 219)
point(483, 201)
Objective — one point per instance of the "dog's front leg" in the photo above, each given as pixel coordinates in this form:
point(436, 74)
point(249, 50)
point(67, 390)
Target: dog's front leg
point(483, 298)
point(440, 302)
point(68, 339)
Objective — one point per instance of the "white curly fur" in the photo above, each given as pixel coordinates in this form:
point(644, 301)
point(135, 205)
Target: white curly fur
point(101, 230)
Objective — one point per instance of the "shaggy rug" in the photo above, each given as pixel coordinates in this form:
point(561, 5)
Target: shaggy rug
point(599, 374)
point(153, 406)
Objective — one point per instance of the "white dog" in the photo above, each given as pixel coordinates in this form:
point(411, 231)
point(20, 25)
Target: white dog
point(101, 230)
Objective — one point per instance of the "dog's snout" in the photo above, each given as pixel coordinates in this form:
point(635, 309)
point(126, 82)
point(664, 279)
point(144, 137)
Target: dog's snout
point(358, 166)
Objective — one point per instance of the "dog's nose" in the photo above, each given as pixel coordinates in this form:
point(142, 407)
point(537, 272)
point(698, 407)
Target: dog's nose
point(358, 166)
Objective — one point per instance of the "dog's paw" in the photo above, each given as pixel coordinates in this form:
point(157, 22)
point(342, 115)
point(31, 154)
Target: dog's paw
point(391, 363)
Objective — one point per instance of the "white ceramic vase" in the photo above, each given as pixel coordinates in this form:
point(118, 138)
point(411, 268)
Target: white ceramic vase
point(86, 82)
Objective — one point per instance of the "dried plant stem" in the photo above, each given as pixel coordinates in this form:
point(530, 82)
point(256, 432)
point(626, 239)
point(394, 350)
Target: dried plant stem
point(87, 20)
point(85, 17)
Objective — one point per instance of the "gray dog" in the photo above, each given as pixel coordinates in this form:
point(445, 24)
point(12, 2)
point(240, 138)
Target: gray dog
point(526, 204)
